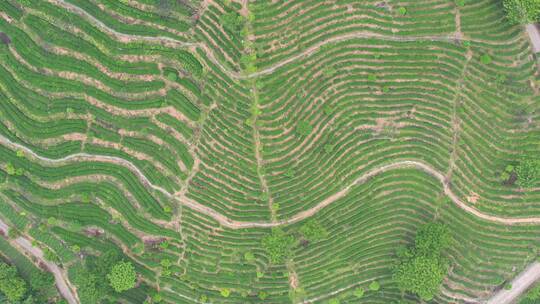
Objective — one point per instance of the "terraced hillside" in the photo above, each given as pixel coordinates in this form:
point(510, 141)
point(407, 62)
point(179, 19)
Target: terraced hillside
point(183, 136)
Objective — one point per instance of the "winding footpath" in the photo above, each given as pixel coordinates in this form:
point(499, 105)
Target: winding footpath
point(269, 70)
point(233, 224)
point(60, 276)
point(520, 284)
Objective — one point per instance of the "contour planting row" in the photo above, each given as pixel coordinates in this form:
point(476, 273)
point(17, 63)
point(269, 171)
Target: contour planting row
point(401, 105)
point(319, 21)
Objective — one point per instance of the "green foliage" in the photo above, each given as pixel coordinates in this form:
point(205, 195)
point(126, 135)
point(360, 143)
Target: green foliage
point(359, 292)
point(233, 22)
point(534, 293)
point(90, 277)
point(303, 128)
point(402, 11)
point(328, 148)
point(248, 61)
point(528, 173)
point(263, 295)
point(422, 268)
point(10, 169)
point(11, 284)
point(460, 3)
point(522, 11)
point(249, 256)
point(122, 276)
point(278, 245)
point(313, 231)
point(485, 59)
point(172, 76)
point(374, 286)
point(334, 301)
point(225, 292)
point(87, 284)
point(50, 255)
point(328, 109)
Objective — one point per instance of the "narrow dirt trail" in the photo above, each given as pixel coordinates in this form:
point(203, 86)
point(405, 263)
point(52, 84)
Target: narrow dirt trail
point(60, 276)
point(233, 224)
point(520, 284)
point(269, 70)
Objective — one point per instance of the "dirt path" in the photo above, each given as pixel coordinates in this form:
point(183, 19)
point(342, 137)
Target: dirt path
point(534, 36)
point(60, 276)
point(520, 284)
point(229, 223)
point(121, 36)
point(167, 40)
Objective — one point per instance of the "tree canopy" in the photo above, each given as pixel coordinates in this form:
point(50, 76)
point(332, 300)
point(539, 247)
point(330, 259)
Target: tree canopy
point(122, 276)
point(421, 269)
point(522, 11)
point(278, 245)
point(313, 231)
point(11, 284)
point(528, 173)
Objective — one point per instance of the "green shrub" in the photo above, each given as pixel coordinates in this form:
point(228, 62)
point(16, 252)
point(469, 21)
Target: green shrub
point(402, 11)
point(122, 276)
point(421, 269)
point(278, 245)
point(358, 292)
point(522, 11)
point(225, 292)
point(485, 59)
point(11, 284)
point(528, 172)
point(374, 286)
point(313, 231)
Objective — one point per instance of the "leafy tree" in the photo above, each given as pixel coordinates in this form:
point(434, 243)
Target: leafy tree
point(249, 256)
point(172, 76)
point(278, 245)
point(485, 59)
point(522, 11)
point(313, 231)
point(402, 11)
point(358, 292)
point(87, 284)
point(90, 277)
point(422, 268)
point(233, 22)
point(225, 292)
point(374, 286)
point(528, 173)
point(263, 295)
point(122, 276)
point(534, 293)
point(11, 284)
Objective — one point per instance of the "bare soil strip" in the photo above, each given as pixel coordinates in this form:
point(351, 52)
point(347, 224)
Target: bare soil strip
point(229, 223)
point(519, 284)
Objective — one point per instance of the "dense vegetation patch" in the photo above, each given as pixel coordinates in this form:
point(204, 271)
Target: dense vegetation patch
point(422, 267)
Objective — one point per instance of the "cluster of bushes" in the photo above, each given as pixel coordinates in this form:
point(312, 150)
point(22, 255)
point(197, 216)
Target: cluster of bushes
point(522, 11)
point(101, 278)
point(525, 174)
point(422, 267)
point(14, 289)
point(278, 244)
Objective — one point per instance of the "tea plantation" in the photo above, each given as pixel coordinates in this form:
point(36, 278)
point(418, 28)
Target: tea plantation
point(266, 151)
